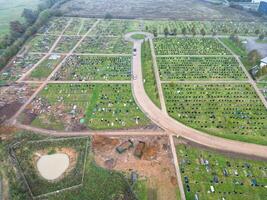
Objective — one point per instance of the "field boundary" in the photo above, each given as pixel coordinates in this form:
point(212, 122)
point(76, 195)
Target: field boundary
point(20, 170)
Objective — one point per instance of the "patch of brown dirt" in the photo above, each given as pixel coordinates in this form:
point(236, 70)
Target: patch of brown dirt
point(155, 165)
point(6, 132)
point(103, 143)
point(8, 110)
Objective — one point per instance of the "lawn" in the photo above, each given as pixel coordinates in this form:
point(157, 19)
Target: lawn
point(81, 67)
point(12, 10)
point(232, 111)
point(104, 45)
point(149, 75)
point(26, 160)
point(189, 46)
point(231, 178)
point(237, 48)
point(79, 107)
point(199, 68)
point(98, 183)
point(45, 68)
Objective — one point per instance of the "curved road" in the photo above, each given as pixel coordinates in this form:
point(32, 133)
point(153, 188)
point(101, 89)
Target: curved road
point(172, 126)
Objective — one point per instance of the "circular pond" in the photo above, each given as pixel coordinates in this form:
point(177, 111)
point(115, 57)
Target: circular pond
point(53, 166)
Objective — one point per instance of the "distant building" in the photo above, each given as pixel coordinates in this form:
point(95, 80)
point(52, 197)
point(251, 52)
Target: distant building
point(263, 7)
point(257, 1)
point(263, 62)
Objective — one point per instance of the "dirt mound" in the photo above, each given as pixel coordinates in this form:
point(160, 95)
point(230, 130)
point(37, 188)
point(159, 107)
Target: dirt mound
point(103, 143)
point(9, 110)
point(151, 151)
point(28, 117)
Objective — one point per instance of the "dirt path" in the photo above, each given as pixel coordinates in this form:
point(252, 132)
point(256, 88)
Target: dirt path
point(46, 55)
point(77, 82)
point(13, 119)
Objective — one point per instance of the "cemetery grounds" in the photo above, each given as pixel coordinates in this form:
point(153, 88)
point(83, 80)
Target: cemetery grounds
point(82, 68)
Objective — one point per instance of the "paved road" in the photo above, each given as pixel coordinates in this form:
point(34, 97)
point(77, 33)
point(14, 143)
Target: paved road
point(169, 124)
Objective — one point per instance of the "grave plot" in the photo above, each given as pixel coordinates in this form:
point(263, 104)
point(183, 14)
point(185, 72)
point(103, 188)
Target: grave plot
point(66, 43)
point(209, 175)
point(86, 25)
point(232, 111)
point(41, 43)
point(80, 67)
point(104, 45)
point(73, 27)
point(81, 106)
point(19, 66)
point(45, 68)
point(54, 26)
point(116, 27)
point(210, 27)
point(189, 46)
point(114, 108)
point(199, 68)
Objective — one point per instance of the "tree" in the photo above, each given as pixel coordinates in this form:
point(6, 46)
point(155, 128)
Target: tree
point(16, 29)
point(108, 16)
point(155, 32)
point(166, 31)
point(146, 28)
point(193, 31)
point(254, 57)
point(257, 32)
point(184, 31)
point(203, 32)
point(29, 15)
point(261, 36)
point(214, 33)
point(174, 31)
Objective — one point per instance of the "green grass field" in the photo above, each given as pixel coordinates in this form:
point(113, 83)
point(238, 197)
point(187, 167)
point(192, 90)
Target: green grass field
point(149, 75)
point(12, 10)
point(26, 154)
point(44, 69)
point(231, 178)
point(232, 111)
point(98, 183)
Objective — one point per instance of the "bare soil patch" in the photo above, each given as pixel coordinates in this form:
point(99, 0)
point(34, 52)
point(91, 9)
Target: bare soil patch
point(155, 164)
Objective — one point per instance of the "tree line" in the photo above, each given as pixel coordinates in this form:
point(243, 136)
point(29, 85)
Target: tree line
point(21, 31)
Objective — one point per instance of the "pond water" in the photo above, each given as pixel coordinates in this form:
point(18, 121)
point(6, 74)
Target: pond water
point(53, 166)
